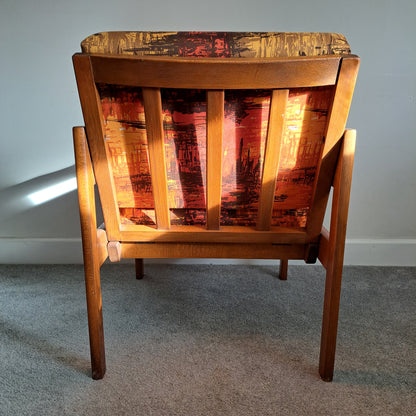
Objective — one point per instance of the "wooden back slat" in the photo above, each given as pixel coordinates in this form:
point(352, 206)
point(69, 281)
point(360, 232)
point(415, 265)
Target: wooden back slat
point(271, 158)
point(154, 128)
point(214, 73)
point(215, 117)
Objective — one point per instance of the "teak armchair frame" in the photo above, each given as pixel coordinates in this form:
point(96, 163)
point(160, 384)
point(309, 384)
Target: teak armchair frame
point(264, 241)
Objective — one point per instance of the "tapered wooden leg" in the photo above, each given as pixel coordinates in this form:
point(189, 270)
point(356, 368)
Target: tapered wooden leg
point(330, 324)
point(95, 320)
point(283, 269)
point(139, 268)
point(91, 252)
point(335, 257)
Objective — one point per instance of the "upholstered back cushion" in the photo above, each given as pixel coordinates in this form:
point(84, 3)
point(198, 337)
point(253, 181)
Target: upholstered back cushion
point(217, 44)
point(245, 128)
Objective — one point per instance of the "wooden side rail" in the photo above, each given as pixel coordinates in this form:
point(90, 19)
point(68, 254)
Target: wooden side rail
point(180, 250)
point(226, 234)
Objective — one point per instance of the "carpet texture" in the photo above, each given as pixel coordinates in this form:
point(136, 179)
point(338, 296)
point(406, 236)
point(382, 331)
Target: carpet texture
point(206, 340)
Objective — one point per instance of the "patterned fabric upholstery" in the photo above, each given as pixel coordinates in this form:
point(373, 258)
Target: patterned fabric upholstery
point(217, 44)
point(245, 128)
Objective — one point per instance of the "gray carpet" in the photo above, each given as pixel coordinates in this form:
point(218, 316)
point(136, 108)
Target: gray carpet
point(206, 340)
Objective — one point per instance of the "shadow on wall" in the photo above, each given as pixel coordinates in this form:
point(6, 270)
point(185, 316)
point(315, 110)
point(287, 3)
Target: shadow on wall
point(46, 206)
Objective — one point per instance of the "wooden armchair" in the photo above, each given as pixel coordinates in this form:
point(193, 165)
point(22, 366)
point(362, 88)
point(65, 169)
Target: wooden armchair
point(214, 145)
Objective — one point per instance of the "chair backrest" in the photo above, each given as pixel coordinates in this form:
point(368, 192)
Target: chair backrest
point(188, 142)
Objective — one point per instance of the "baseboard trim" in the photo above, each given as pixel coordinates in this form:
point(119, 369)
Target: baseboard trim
point(380, 252)
point(40, 251)
point(364, 252)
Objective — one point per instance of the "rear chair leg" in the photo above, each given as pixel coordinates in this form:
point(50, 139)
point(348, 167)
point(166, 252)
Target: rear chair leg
point(139, 268)
point(283, 269)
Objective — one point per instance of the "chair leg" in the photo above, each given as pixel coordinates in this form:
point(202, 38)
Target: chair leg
point(335, 249)
point(139, 268)
point(330, 323)
point(283, 269)
point(95, 320)
point(91, 251)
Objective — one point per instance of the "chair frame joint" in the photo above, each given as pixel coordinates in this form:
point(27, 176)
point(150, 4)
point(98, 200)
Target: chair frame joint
point(114, 251)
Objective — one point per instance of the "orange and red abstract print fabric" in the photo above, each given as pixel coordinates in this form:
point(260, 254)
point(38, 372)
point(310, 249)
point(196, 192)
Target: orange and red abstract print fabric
point(245, 129)
point(217, 44)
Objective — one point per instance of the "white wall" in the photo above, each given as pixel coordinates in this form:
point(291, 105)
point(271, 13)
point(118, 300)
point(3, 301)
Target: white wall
point(39, 105)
